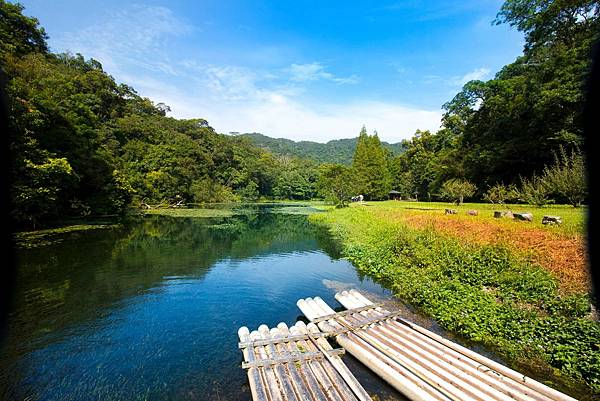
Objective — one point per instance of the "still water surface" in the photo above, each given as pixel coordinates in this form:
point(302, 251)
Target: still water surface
point(150, 310)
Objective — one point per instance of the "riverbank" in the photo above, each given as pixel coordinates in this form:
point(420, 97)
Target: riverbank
point(493, 281)
point(58, 230)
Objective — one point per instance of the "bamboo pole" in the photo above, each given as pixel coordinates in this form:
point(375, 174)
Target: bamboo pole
point(257, 386)
point(402, 379)
point(272, 384)
point(308, 378)
point(337, 385)
point(282, 377)
point(300, 388)
point(341, 367)
point(490, 383)
point(448, 385)
point(358, 300)
point(451, 378)
point(315, 367)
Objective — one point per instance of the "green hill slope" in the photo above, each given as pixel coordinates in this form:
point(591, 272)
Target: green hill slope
point(335, 151)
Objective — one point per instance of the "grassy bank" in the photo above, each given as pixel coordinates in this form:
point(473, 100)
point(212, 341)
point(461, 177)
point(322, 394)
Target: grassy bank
point(242, 208)
point(473, 276)
point(50, 236)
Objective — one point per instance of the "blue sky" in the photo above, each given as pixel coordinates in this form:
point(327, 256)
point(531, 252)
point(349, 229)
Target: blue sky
point(314, 70)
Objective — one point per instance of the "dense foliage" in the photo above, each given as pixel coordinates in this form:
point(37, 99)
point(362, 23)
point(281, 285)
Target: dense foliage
point(339, 151)
point(512, 125)
point(486, 293)
point(370, 167)
point(456, 190)
point(82, 144)
point(336, 184)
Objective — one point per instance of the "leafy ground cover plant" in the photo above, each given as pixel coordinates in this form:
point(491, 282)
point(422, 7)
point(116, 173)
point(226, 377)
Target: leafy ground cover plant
point(484, 292)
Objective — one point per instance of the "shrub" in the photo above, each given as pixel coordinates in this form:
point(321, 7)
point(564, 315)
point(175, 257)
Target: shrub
point(499, 194)
point(567, 177)
point(534, 191)
point(456, 190)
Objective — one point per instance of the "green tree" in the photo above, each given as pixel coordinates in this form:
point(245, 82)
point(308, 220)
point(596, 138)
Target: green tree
point(500, 194)
point(534, 191)
point(336, 183)
point(555, 23)
point(417, 169)
point(19, 35)
point(456, 190)
point(38, 190)
point(511, 125)
point(370, 167)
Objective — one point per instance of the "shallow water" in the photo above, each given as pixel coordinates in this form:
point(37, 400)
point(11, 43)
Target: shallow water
point(150, 311)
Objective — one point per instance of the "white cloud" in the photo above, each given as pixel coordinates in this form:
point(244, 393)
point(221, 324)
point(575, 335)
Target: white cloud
point(316, 71)
point(133, 45)
point(136, 35)
point(476, 74)
point(276, 114)
point(296, 121)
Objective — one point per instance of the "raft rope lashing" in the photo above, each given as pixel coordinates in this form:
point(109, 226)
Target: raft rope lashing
point(342, 373)
point(377, 347)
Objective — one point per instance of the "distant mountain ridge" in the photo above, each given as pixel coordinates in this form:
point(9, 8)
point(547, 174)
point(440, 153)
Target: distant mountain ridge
point(335, 151)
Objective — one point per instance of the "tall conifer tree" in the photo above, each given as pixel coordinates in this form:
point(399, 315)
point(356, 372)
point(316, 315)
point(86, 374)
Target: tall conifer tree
point(370, 167)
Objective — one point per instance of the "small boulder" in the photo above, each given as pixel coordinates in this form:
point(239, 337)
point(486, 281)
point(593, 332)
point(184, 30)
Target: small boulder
point(473, 213)
point(506, 213)
point(551, 220)
point(450, 211)
point(524, 216)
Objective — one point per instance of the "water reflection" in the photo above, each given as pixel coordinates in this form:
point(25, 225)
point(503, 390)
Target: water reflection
point(151, 310)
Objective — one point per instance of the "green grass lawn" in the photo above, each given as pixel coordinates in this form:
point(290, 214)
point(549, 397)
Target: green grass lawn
point(574, 219)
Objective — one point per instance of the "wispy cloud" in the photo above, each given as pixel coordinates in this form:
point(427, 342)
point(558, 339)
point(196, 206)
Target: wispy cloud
point(133, 45)
point(477, 74)
point(279, 114)
point(316, 71)
point(137, 34)
point(457, 81)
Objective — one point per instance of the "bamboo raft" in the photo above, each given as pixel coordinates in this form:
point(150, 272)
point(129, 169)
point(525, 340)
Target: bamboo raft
point(417, 362)
point(296, 364)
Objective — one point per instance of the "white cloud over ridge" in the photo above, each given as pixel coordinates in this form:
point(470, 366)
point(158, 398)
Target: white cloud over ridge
point(133, 45)
point(274, 114)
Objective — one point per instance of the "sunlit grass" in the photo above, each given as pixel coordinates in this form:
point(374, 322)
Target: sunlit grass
point(574, 219)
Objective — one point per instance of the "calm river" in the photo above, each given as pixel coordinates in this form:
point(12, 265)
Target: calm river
point(150, 311)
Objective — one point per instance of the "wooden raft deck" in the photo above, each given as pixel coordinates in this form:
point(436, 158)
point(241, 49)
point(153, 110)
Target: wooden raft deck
point(296, 364)
point(420, 364)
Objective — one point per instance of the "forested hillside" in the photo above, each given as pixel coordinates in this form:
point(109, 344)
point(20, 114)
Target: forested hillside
point(512, 126)
point(84, 144)
point(335, 151)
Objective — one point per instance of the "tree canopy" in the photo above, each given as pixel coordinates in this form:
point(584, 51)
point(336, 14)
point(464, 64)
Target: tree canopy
point(512, 125)
point(84, 144)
